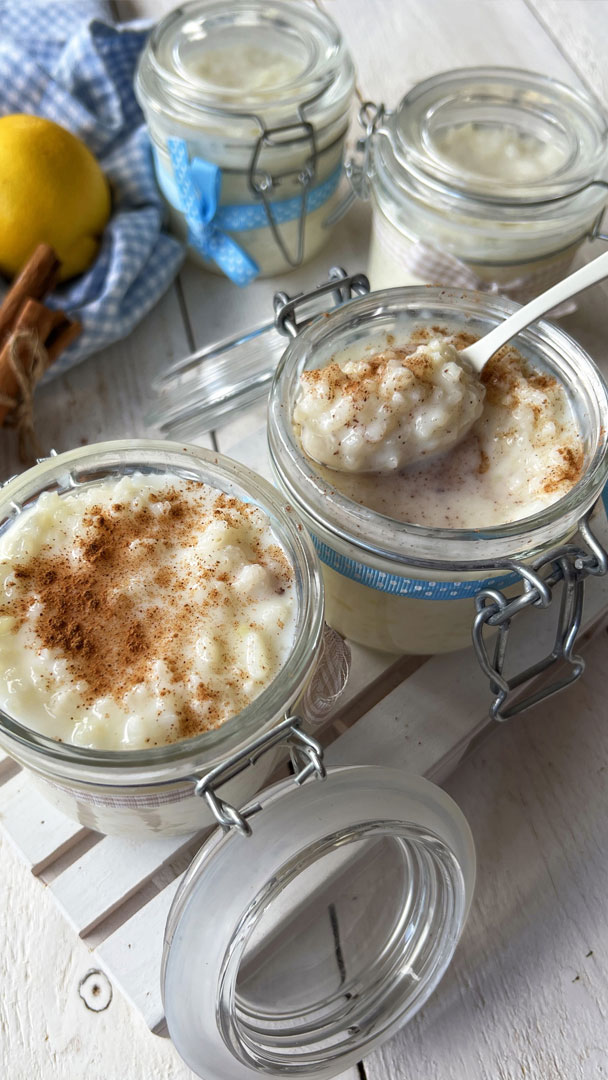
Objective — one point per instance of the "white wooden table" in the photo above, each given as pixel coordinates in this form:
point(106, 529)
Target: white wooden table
point(526, 994)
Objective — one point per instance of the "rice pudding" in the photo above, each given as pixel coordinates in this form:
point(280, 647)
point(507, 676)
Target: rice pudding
point(249, 68)
point(139, 611)
point(499, 151)
point(522, 453)
point(379, 411)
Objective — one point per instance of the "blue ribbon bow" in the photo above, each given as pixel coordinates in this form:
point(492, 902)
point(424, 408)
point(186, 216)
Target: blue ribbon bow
point(198, 184)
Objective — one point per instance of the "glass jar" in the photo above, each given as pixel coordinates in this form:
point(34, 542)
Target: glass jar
point(409, 588)
point(333, 922)
point(487, 178)
point(247, 108)
point(133, 792)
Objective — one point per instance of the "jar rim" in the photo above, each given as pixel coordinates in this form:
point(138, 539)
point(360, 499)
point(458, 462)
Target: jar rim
point(98, 460)
point(325, 81)
point(406, 151)
point(332, 515)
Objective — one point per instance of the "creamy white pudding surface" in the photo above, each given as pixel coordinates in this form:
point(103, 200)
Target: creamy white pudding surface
point(140, 611)
point(244, 66)
point(500, 153)
point(523, 452)
point(376, 412)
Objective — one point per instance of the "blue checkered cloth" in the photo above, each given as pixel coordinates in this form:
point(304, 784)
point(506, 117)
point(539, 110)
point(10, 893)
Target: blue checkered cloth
point(66, 61)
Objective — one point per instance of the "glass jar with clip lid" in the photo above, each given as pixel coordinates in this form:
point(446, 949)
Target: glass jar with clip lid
point(316, 922)
point(119, 752)
point(482, 178)
point(392, 584)
point(395, 584)
point(247, 107)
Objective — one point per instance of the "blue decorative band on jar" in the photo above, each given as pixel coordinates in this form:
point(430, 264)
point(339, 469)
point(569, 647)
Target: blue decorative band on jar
point(396, 585)
point(193, 186)
point(254, 216)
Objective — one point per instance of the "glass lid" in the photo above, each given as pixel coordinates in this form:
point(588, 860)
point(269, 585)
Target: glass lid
point(299, 948)
point(500, 134)
point(246, 55)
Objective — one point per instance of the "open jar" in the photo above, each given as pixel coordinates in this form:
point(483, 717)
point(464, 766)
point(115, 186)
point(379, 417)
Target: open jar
point(415, 589)
point(247, 108)
point(138, 791)
point(333, 922)
point(485, 178)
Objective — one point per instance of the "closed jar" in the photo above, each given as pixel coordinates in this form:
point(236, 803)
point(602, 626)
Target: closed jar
point(487, 178)
point(407, 587)
point(247, 108)
point(150, 790)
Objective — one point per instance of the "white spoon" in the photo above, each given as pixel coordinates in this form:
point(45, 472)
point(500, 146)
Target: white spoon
point(480, 352)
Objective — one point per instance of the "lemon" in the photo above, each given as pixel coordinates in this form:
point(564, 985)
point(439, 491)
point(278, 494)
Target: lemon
point(51, 190)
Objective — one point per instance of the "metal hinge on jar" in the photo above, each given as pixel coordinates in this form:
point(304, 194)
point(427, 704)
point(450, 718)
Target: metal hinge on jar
point(341, 286)
point(356, 168)
point(306, 758)
point(569, 566)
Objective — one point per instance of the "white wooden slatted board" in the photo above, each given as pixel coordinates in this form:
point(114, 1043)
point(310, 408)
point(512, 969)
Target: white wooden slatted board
point(417, 713)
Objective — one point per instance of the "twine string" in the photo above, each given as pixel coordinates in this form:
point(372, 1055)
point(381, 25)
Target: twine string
point(28, 361)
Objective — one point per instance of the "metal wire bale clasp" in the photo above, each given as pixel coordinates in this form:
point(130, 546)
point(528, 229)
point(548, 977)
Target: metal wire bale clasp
point(262, 182)
point(568, 565)
point(342, 287)
point(357, 167)
point(306, 758)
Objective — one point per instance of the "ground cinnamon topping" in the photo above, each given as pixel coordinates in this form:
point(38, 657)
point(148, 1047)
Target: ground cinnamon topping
point(95, 611)
point(569, 472)
point(336, 383)
point(504, 374)
point(484, 462)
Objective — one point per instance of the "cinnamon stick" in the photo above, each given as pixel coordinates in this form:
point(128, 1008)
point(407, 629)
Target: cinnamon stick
point(62, 336)
point(35, 280)
point(33, 318)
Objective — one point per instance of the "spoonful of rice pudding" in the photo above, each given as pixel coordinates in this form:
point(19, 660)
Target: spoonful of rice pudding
point(381, 411)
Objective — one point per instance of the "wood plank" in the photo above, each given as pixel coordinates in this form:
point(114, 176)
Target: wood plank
point(250, 426)
point(37, 830)
point(366, 666)
point(132, 956)
point(248, 444)
point(47, 1031)
point(579, 30)
point(95, 886)
point(394, 50)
